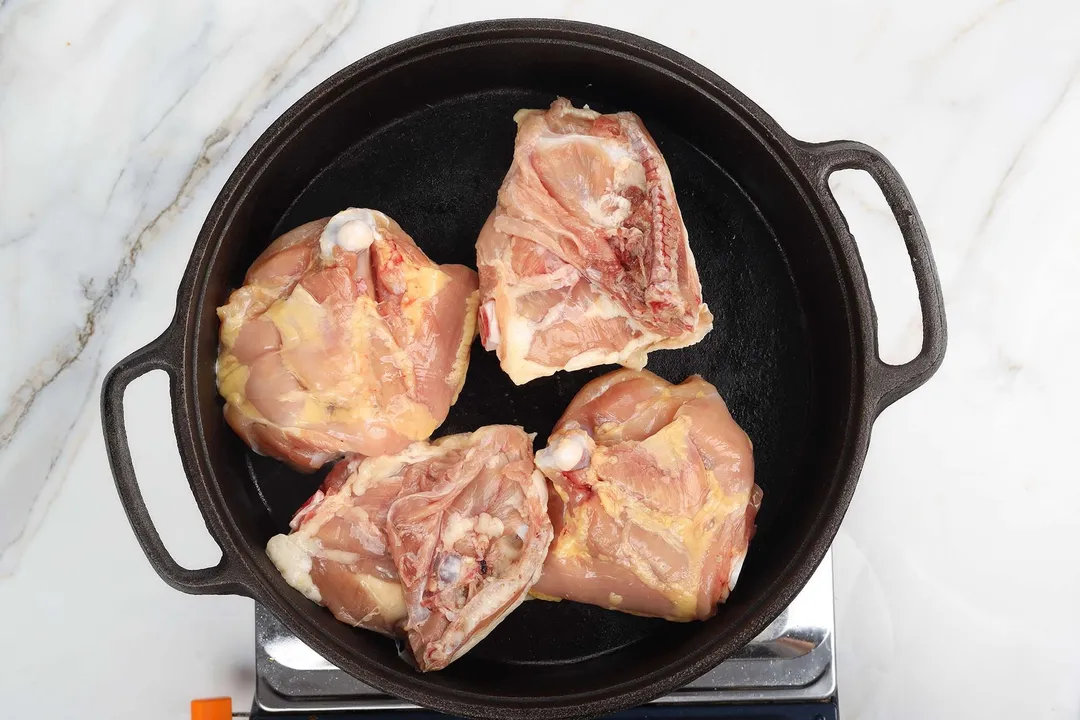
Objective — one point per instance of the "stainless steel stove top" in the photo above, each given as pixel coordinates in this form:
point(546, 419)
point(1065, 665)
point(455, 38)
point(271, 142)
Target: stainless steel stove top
point(794, 660)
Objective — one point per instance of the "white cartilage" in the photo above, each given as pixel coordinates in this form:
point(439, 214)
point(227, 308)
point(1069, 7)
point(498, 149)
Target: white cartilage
point(569, 453)
point(352, 230)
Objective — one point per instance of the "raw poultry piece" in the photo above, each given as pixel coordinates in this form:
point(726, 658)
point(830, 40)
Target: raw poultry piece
point(469, 535)
point(345, 338)
point(654, 500)
point(337, 553)
point(585, 260)
point(437, 544)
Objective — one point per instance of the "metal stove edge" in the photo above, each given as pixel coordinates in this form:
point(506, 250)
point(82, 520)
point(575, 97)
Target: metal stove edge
point(793, 660)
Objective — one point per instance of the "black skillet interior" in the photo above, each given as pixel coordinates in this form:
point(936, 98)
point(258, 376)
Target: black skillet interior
point(435, 166)
point(437, 173)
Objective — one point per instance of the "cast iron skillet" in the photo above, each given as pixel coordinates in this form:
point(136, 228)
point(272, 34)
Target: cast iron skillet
point(422, 130)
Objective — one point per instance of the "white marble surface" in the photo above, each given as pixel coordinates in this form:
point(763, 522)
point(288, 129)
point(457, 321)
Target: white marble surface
point(958, 585)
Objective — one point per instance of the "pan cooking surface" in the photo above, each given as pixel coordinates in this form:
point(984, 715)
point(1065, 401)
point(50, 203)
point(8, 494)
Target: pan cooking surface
point(437, 173)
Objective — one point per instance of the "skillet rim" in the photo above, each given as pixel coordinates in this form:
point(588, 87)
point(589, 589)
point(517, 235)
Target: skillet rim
point(240, 570)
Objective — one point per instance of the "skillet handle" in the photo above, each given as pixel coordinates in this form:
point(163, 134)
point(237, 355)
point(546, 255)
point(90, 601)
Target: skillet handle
point(217, 580)
point(888, 383)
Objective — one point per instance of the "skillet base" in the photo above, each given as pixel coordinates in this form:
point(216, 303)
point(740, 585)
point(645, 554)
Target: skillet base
point(437, 172)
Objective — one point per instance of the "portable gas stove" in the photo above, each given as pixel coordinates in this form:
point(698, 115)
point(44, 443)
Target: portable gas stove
point(787, 672)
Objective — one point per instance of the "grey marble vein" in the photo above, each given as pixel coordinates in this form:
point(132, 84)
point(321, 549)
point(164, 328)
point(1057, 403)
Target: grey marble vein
point(9, 562)
point(978, 20)
point(102, 294)
point(954, 40)
point(1021, 151)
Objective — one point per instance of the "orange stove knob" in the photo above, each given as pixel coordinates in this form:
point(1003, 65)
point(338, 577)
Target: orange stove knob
point(211, 709)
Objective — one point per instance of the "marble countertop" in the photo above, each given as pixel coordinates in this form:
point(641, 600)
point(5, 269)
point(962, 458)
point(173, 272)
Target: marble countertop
point(958, 588)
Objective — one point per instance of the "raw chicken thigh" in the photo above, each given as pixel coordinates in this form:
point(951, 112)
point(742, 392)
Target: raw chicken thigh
point(337, 553)
point(345, 338)
point(654, 499)
point(437, 544)
point(585, 260)
point(469, 535)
